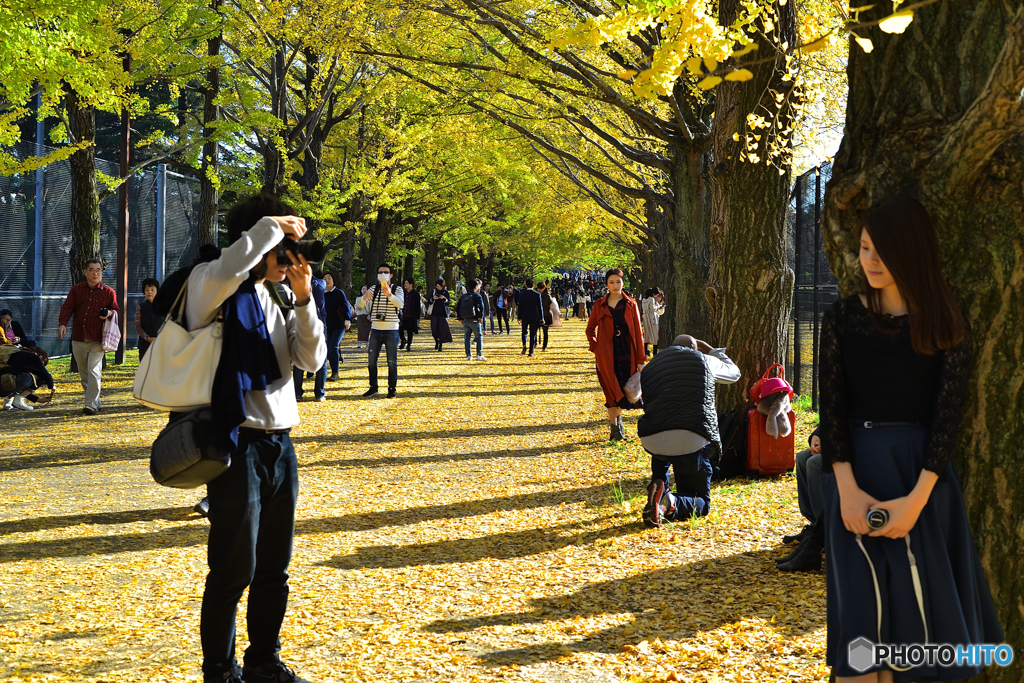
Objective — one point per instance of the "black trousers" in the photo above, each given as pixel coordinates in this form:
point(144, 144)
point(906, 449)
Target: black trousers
point(532, 328)
point(252, 524)
point(503, 316)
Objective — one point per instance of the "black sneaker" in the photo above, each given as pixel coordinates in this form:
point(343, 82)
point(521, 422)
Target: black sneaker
point(231, 676)
point(391, 393)
point(370, 392)
point(653, 509)
point(202, 508)
point(89, 411)
point(270, 672)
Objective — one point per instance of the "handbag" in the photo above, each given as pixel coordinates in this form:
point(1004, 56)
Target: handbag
point(183, 455)
point(755, 391)
point(111, 333)
point(632, 388)
point(177, 372)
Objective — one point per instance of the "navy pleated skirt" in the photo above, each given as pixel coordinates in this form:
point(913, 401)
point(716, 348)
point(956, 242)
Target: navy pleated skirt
point(957, 602)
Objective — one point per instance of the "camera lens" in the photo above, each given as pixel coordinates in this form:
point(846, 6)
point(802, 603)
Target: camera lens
point(878, 518)
point(313, 250)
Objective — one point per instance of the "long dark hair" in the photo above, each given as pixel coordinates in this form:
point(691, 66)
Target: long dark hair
point(904, 238)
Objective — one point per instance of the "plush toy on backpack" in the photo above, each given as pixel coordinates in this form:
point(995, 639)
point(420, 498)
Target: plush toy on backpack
point(773, 397)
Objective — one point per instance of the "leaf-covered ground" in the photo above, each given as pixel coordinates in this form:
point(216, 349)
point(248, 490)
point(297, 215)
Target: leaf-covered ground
point(480, 527)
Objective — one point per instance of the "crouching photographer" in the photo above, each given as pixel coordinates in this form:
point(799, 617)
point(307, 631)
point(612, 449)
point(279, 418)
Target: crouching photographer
point(267, 329)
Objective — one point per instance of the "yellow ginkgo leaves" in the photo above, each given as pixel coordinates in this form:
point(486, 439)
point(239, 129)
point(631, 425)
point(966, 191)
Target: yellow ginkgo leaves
point(897, 22)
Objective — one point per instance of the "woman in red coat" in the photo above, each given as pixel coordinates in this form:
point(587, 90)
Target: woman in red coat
point(617, 342)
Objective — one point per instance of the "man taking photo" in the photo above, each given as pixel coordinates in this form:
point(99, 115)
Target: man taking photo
point(267, 329)
point(384, 306)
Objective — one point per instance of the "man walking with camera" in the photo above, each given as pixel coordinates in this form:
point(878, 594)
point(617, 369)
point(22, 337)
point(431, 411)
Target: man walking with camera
point(90, 303)
point(266, 329)
point(384, 306)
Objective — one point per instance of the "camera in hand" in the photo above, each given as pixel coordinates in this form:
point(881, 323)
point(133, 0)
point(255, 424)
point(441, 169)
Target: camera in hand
point(313, 250)
point(104, 312)
point(878, 518)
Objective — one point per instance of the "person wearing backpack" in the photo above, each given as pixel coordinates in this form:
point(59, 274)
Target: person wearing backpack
point(470, 312)
point(267, 328)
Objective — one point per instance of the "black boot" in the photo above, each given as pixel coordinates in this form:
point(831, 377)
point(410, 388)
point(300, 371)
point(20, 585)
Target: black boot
point(797, 537)
point(616, 434)
point(807, 557)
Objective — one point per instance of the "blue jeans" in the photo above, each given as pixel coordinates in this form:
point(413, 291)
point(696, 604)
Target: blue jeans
point(334, 338)
point(693, 482)
point(473, 327)
point(389, 340)
point(491, 316)
point(252, 524)
point(810, 485)
point(318, 382)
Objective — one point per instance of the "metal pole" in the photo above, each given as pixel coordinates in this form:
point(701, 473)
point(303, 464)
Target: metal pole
point(122, 226)
point(37, 260)
point(797, 230)
point(161, 223)
point(817, 260)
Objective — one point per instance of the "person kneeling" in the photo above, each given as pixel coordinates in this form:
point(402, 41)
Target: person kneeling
point(678, 431)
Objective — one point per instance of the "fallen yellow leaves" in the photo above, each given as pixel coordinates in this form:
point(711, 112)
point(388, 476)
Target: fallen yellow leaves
point(479, 528)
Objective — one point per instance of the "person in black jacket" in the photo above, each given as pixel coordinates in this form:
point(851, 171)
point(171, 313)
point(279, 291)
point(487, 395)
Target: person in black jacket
point(411, 313)
point(439, 301)
point(549, 317)
point(679, 427)
point(339, 320)
point(21, 371)
point(13, 330)
point(470, 312)
point(530, 313)
point(147, 322)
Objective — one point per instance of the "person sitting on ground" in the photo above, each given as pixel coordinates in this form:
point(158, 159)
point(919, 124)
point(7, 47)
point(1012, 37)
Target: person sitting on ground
point(13, 331)
point(679, 427)
point(810, 490)
point(21, 371)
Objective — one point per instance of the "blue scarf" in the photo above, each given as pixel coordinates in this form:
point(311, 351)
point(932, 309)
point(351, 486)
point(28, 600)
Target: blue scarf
point(247, 363)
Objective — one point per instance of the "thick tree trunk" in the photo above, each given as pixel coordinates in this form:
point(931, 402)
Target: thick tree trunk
point(487, 271)
point(430, 263)
point(380, 243)
point(681, 262)
point(449, 272)
point(936, 113)
point(750, 286)
point(470, 267)
point(85, 200)
point(275, 156)
point(208, 193)
point(409, 267)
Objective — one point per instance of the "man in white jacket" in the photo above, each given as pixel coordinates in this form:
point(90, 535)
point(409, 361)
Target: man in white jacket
point(255, 497)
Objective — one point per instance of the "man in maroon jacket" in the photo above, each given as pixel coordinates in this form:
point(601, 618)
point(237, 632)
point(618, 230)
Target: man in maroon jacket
point(90, 302)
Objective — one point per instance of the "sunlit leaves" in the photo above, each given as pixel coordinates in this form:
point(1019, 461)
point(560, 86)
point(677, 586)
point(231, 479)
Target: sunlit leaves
point(897, 22)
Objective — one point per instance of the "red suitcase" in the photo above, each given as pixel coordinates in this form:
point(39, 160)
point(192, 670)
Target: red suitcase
point(767, 455)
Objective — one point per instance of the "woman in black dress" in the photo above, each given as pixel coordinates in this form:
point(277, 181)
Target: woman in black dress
point(439, 301)
point(894, 367)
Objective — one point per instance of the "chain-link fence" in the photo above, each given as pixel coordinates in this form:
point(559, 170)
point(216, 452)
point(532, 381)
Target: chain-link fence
point(816, 288)
point(35, 222)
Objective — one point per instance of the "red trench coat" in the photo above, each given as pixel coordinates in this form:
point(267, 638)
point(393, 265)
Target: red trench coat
point(600, 330)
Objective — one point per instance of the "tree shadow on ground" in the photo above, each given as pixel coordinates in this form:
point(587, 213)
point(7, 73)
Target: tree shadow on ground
point(390, 461)
point(503, 546)
point(19, 526)
point(680, 600)
point(196, 534)
point(73, 455)
point(475, 432)
point(547, 390)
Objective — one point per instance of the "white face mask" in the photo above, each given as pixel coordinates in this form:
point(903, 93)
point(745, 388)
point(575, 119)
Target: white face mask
point(383, 277)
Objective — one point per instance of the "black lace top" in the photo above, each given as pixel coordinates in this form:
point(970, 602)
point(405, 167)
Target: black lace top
point(865, 374)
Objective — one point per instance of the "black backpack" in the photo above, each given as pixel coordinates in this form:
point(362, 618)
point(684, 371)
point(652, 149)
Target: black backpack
point(732, 429)
point(467, 307)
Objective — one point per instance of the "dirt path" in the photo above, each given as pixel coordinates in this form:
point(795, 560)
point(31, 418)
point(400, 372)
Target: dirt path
point(477, 528)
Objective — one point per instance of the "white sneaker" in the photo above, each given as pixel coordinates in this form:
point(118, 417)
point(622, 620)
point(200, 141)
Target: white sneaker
point(9, 403)
point(481, 357)
point(469, 358)
point(20, 403)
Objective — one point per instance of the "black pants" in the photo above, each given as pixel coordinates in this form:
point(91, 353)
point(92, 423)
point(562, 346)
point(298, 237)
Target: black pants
point(532, 327)
point(693, 482)
point(544, 329)
point(252, 523)
point(503, 316)
point(405, 338)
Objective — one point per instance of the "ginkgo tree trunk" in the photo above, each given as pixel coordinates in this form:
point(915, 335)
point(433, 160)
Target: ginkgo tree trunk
point(936, 113)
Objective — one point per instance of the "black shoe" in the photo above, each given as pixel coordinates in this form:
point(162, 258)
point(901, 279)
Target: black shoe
point(530, 354)
point(616, 434)
point(797, 537)
point(653, 510)
point(233, 675)
point(391, 393)
point(524, 351)
point(202, 508)
point(370, 392)
point(807, 557)
point(270, 672)
point(89, 411)
point(401, 346)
